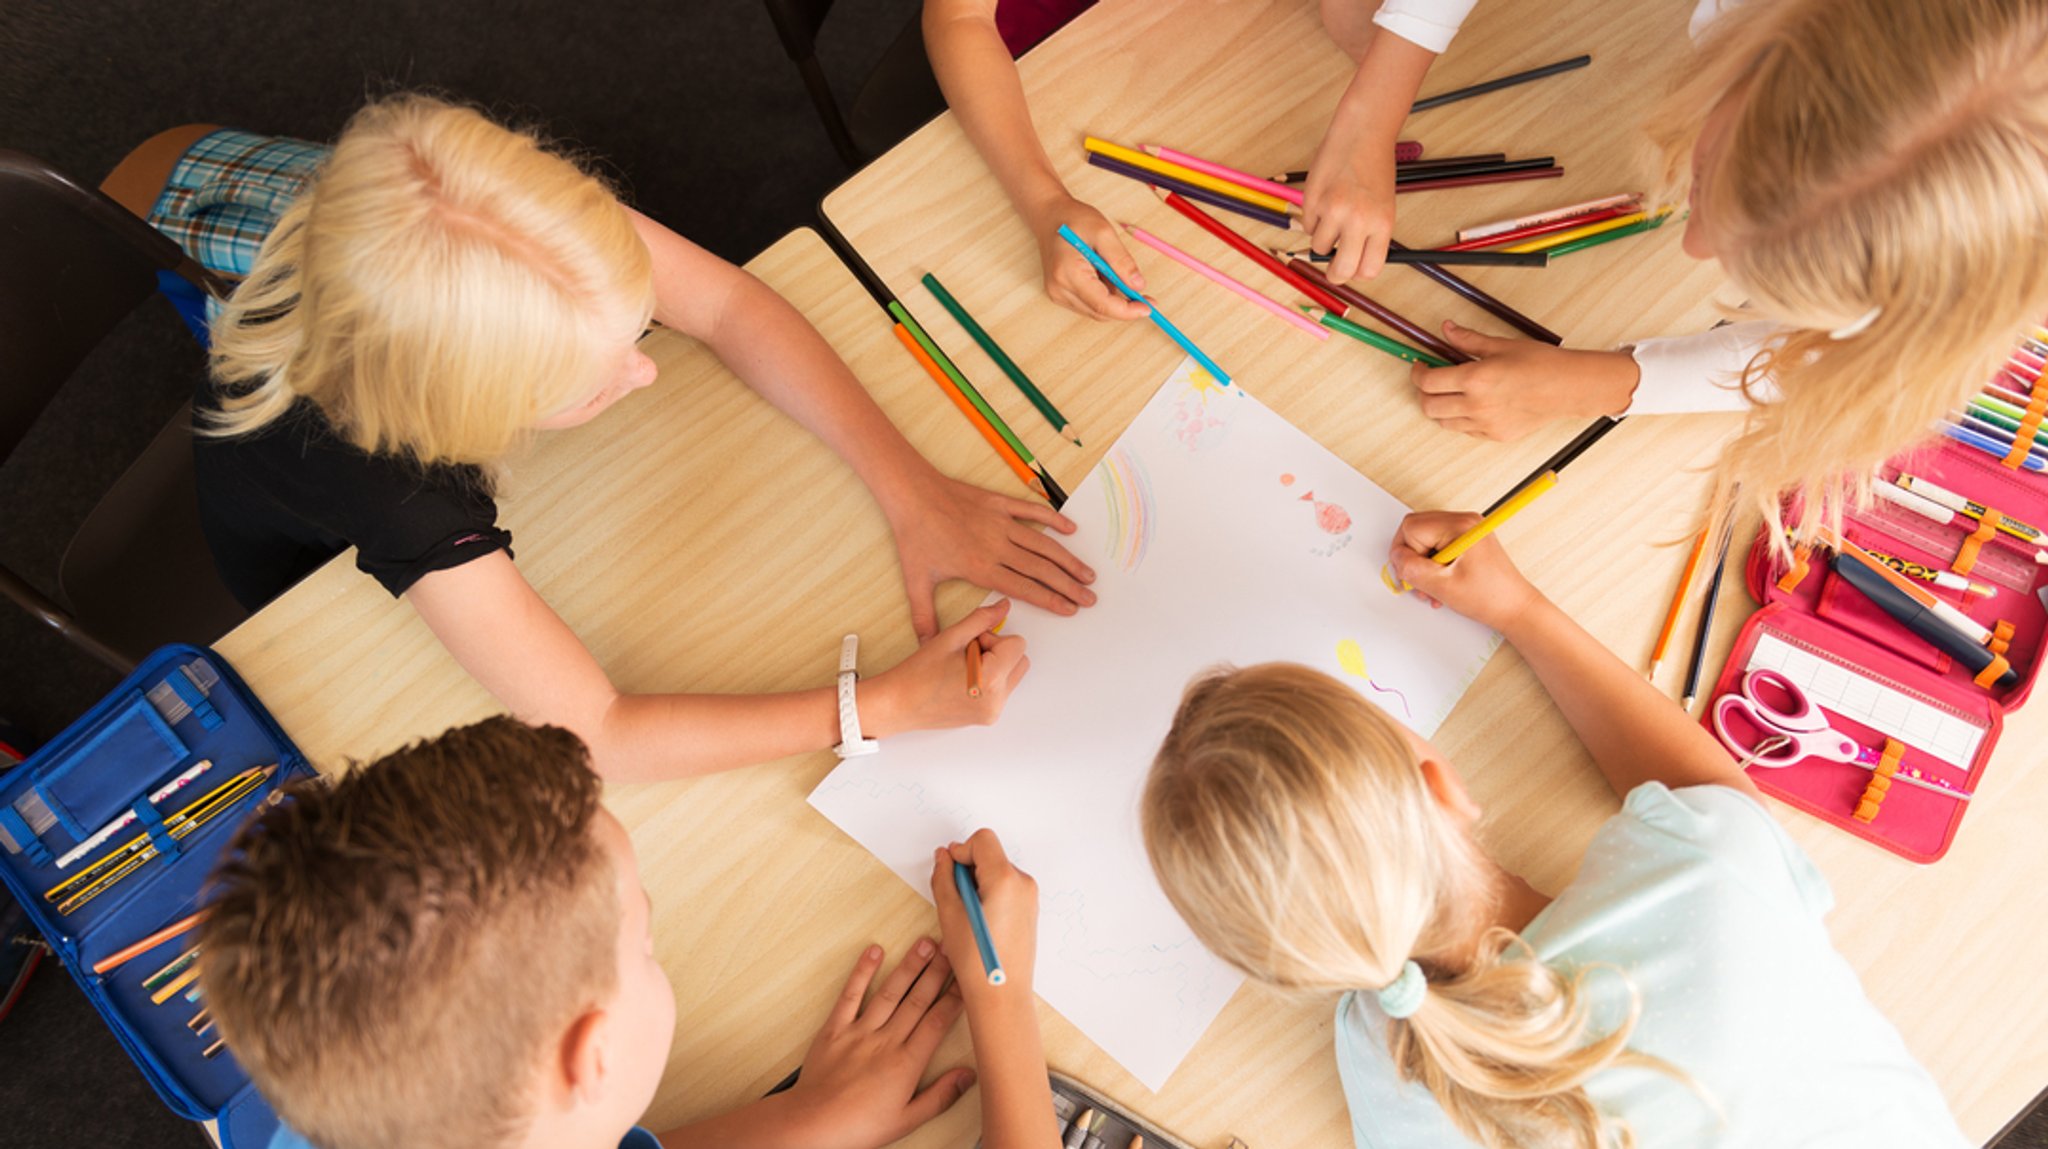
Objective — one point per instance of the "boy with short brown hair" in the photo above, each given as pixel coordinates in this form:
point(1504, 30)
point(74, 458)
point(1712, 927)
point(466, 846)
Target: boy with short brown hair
point(450, 948)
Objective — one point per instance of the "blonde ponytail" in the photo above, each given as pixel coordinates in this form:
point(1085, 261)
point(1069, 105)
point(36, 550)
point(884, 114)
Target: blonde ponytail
point(1290, 823)
point(441, 286)
point(1880, 157)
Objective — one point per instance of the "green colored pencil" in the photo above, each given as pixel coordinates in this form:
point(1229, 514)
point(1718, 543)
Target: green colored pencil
point(1060, 423)
point(902, 315)
point(1650, 224)
point(1372, 338)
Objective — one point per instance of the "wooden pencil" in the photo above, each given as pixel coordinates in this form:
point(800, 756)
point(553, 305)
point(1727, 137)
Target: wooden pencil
point(1706, 626)
point(121, 956)
point(1692, 566)
point(1477, 180)
point(1415, 332)
point(974, 667)
point(1499, 310)
point(1480, 89)
point(1477, 167)
point(1270, 219)
point(1060, 423)
point(1371, 338)
point(1002, 449)
point(1253, 252)
point(1535, 229)
point(1051, 490)
point(1183, 174)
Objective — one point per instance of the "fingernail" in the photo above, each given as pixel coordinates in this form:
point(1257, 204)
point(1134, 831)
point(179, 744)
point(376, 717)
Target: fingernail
point(874, 952)
point(1088, 598)
point(924, 947)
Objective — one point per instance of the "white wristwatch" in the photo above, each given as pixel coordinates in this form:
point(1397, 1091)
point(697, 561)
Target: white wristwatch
point(851, 744)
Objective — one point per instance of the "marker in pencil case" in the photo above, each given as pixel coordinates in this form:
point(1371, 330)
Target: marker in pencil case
point(1976, 510)
point(1943, 626)
point(100, 836)
point(970, 895)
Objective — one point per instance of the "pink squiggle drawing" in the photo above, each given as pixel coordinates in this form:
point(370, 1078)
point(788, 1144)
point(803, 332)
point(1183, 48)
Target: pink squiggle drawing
point(1351, 657)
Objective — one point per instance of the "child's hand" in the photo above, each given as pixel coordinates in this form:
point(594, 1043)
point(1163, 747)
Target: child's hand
point(1070, 280)
point(1514, 386)
point(1348, 203)
point(1009, 902)
point(859, 1088)
point(957, 530)
point(928, 690)
point(1483, 584)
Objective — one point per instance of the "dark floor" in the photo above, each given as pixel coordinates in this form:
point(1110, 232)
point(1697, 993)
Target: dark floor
point(691, 105)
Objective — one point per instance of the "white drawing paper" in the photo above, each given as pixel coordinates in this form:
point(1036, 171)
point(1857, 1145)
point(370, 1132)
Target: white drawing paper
point(1219, 533)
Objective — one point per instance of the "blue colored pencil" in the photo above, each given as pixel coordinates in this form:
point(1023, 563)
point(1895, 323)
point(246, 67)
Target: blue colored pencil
point(1102, 266)
point(963, 877)
point(2035, 461)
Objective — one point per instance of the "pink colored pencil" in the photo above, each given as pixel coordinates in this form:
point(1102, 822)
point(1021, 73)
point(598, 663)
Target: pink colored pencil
point(1205, 271)
point(1241, 179)
point(1467, 235)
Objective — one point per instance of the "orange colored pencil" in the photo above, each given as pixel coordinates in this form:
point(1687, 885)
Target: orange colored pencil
point(1016, 462)
point(1692, 566)
point(122, 956)
point(974, 667)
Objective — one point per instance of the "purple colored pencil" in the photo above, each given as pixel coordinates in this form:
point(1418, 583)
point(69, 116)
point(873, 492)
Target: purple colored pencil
point(1499, 310)
point(1189, 191)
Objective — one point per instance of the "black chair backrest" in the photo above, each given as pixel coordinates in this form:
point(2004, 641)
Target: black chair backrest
point(797, 23)
point(73, 263)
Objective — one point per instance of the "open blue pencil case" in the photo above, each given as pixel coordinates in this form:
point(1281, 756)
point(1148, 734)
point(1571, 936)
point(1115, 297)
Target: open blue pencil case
point(183, 705)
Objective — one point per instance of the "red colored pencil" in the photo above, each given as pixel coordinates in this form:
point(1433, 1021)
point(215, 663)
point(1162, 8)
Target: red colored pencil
point(1534, 230)
point(1414, 332)
point(1475, 181)
point(1253, 252)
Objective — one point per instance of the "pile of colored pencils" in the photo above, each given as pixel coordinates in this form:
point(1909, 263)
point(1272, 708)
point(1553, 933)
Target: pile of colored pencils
point(1563, 230)
point(2005, 419)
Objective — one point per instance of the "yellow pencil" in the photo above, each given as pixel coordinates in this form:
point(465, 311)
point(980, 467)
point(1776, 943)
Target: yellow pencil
point(1529, 493)
point(1547, 242)
point(1186, 175)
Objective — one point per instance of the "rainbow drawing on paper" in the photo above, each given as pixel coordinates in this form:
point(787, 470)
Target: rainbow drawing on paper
point(1127, 494)
point(1330, 518)
point(1351, 657)
point(1203, 411)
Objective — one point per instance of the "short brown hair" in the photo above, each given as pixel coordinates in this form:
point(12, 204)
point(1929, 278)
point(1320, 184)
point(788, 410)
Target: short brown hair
point(391, 956)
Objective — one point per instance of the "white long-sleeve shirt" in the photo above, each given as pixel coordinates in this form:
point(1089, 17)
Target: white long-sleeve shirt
point(1701, 372)
point(1424, 23)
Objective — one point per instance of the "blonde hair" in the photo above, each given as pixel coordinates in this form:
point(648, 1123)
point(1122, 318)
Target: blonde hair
point(392, 958)
point(1292, 826)
point(441, 286)
point(1880, 155)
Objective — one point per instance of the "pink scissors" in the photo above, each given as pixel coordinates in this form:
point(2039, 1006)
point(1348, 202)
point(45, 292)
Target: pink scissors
point(1771, 722)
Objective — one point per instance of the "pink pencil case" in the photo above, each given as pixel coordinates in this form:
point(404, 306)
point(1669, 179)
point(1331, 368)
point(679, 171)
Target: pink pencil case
point(1884, 686)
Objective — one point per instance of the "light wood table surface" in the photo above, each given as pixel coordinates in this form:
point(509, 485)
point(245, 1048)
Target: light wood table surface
point(1946, 951)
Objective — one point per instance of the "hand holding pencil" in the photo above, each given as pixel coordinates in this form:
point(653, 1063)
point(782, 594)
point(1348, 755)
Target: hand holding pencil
point(930, 689)
point(1484, 584)
point(1009, 916)
point(1070, 280)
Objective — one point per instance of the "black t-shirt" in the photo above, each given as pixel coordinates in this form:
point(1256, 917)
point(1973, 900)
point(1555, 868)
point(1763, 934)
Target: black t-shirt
point(278, 503)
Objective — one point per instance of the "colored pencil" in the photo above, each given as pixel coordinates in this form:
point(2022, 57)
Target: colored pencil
point(1477, 180)
point(1183, 174)
point(170, 989)
point(1595, 234)
point(2003, 424)
point(1270, 219)
point(1692, 566)
point(127, 953)
point(213, 1051)
point(1480, 298)
point(2003, 436)
point(1631, 201)
point(974, 667)
point(109, 869)
point(1706, 625)
point(1446, 257)
point(1372, 338)
point(1565, 456)
point(1159, 319)
point(1405, 151)
point(1481, 89)
point(1476, 168)
point(994, 350)
point(970, 896)
point(99, 837)
point(1514, 505)
point(1217, 277)
point(1415, 332)
point(200, 1021)
point(1078, 1131)
point(1449, 162)
point(1046, 487)
point(1210, 167)
point(1002, 449)
point(1253, 252)
point(2035, 461)
point(1535, 230)
point(171, 969)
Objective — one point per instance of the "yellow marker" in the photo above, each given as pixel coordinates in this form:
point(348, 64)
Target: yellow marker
point(1512, 506)
point(1202, 180)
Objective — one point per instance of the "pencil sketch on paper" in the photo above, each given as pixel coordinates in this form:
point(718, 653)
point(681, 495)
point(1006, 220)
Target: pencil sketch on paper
point(1127, 499)
point(1207, 564)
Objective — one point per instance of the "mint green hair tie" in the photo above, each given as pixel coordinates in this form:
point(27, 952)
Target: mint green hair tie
point(1403, 996)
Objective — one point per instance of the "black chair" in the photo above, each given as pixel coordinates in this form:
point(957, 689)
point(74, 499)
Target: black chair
point(73, 264)
point(895, 100)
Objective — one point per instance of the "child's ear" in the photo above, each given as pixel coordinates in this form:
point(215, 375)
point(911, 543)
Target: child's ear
point(585, 1056)
point(1448, 789)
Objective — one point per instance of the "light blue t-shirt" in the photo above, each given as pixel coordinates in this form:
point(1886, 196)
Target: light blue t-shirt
point(636, 1138)
point(1714, 915)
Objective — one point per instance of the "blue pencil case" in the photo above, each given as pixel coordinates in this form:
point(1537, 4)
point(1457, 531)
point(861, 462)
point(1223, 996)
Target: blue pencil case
point(173, 760)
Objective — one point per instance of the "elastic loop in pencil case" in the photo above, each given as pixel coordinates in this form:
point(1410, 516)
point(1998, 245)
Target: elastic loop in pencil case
point(1966, 556)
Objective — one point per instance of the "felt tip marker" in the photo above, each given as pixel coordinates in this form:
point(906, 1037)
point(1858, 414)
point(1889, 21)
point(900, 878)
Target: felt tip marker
point(1971, 507)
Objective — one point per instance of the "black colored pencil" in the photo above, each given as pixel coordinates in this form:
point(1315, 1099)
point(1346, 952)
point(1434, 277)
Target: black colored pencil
point(1455, 95)
point(1562, 459)
point(1479, 168)
point(1416, 255)
point(1699, 638)
point(1502, 311)
point(1448, 162)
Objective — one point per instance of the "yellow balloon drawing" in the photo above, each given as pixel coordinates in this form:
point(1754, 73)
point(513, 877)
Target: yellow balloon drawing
point(1352, 658)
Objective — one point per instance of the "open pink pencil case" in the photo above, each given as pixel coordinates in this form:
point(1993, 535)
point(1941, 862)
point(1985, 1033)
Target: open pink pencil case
point(1876, 681)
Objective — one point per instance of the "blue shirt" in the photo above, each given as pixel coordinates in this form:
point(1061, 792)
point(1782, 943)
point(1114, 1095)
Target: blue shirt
point(1714, 915)
point(636, 1138)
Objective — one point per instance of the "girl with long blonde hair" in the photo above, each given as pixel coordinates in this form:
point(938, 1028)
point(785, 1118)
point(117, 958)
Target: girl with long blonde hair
point(442, 289)
point(1681, 990)
point(1870, 173)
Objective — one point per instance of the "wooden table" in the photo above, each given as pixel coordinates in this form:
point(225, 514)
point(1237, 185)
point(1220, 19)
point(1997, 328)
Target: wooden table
point(1945, 951)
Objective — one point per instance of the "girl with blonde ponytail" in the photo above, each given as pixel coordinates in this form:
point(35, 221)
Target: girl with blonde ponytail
point(444, 288)
point(1681, 991)
point(1870, 175)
